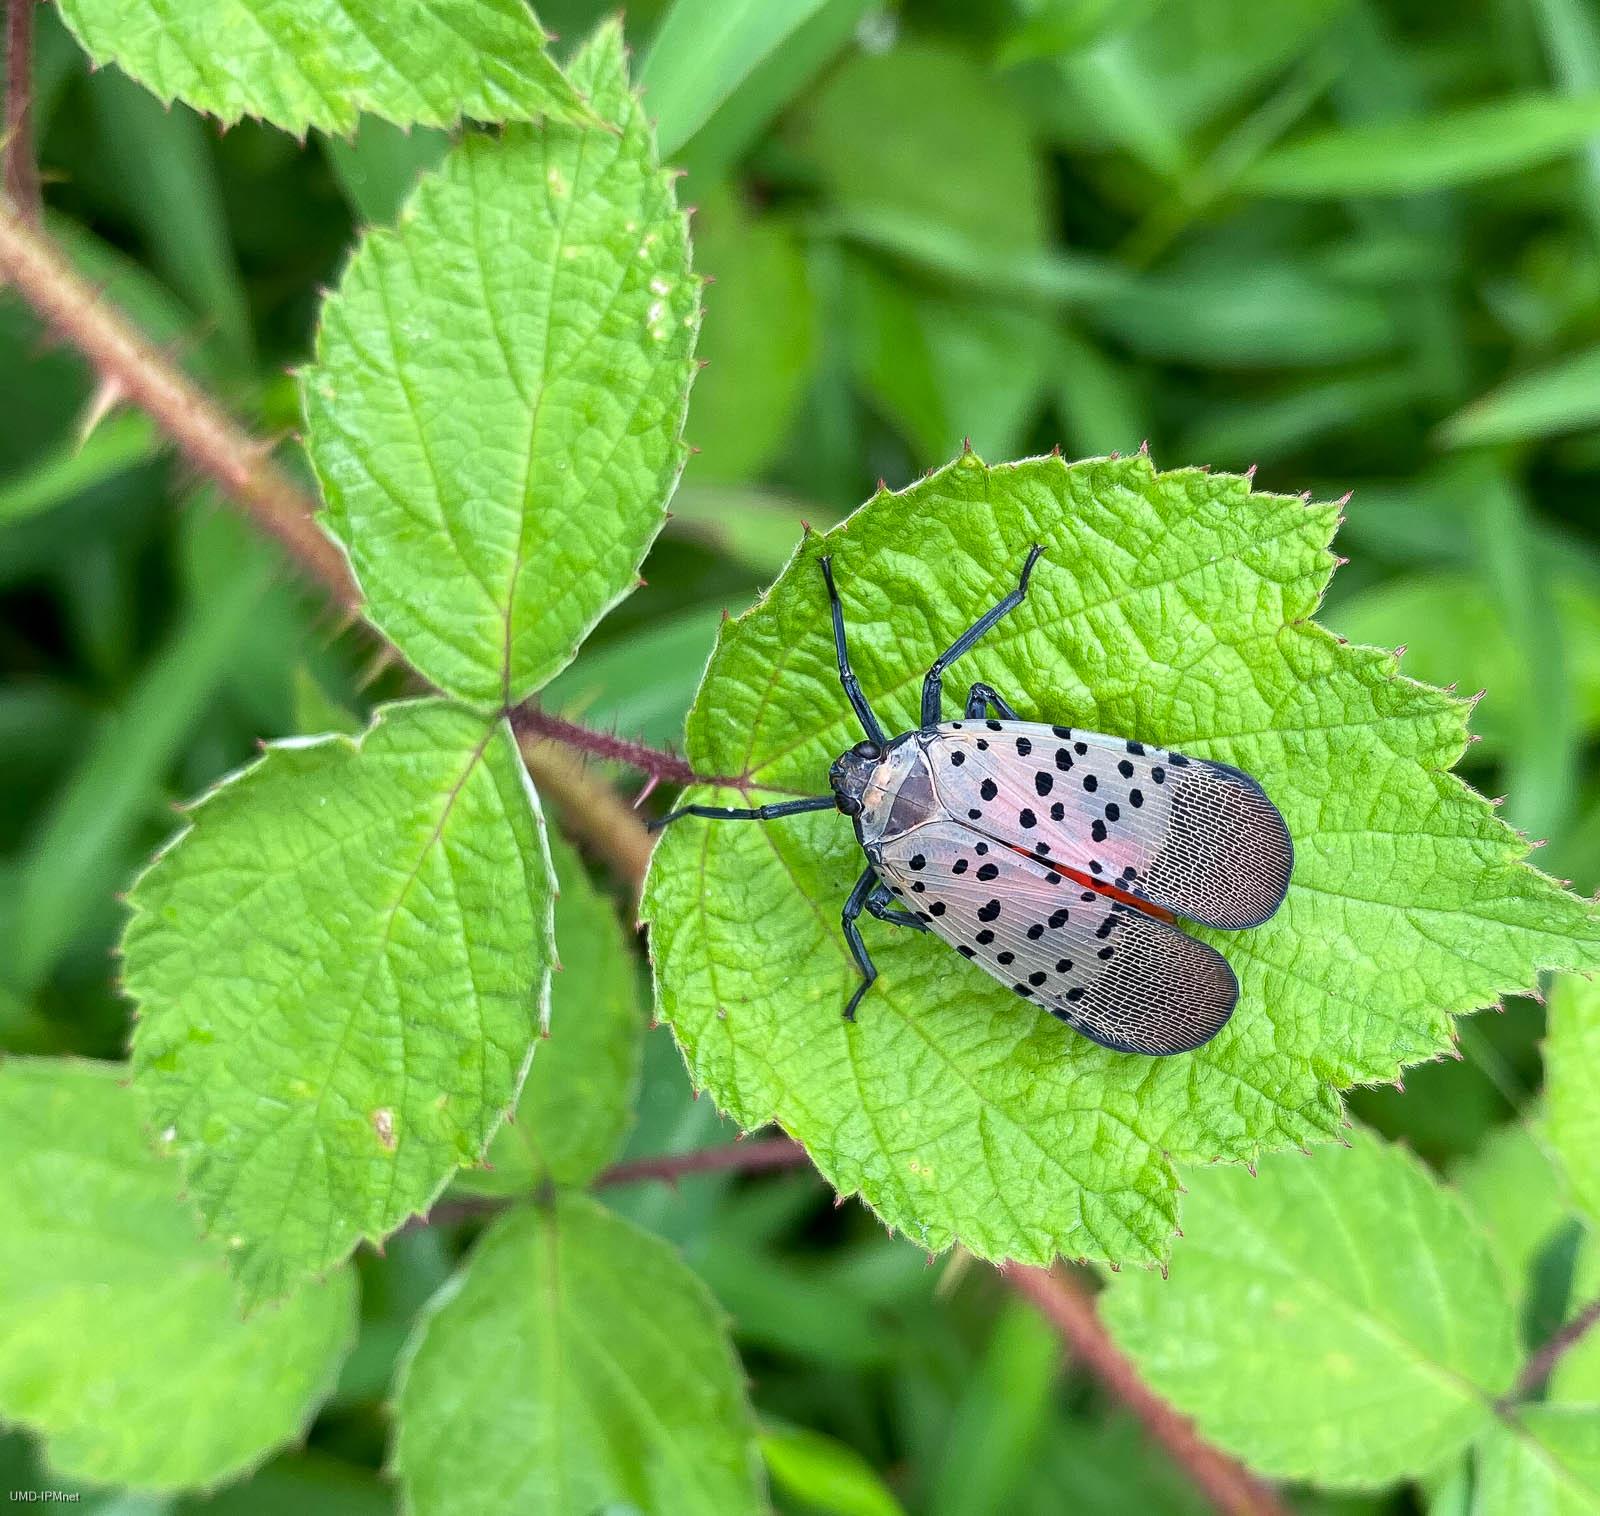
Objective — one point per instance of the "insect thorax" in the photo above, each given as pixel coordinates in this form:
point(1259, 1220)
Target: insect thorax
point(899, 792)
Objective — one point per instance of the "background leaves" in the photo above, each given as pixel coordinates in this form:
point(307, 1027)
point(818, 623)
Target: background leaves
point(123, 1343)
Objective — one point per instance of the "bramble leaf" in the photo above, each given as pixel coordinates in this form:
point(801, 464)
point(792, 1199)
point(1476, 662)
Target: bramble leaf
point(499, 391)
point(122, 1342)
point(1551, 1467)
point(323, 62)
point(340, 968)
point(573, 1363)
point(577, 1099)
point(1572, 1092)
point(1169, 607)
point(1365, 1325)
point(1512, 1185)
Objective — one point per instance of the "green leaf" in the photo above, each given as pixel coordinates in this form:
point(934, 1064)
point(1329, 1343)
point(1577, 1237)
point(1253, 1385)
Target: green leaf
point(1338, 1318)
point(990, 1442)
point(1173, 608)
point(574, 1362)
point(759, 341)
point(1549, 1468)
point(945, 369)
point(1454, 631)
point(1451, 148)
point(1514, 1188)
point(754, 528)
point(1562, 397)
point(925, 130)
point(83, 848)
point(784, 75)
point(824, 1473)
point(379, 164)
point(160, 161)
point(322, 62)
point(122, 1343)
point(1228, 315)
point(306, 1483)
point(577, 1100)
point(340, 969)
point(1576, 1380)
point(1572, 1086)
point(704, 50)
point(499, 390)
point(121, 442)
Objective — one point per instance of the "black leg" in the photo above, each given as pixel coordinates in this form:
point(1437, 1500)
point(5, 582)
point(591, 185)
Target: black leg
point(881, 904)
point(852, 686)
point(933, 681)
point(751, 813)
point(852, 934)
point(981, 696)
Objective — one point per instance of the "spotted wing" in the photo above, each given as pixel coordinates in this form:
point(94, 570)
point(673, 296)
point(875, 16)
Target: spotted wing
point(1126, 980)
point(1193, 837)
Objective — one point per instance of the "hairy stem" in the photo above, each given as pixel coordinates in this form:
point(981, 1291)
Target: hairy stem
point(1070, 1309)
point(21, 171)
point(132, 367)
point(528, 720)
point(1541, 1365)
point(669, 1168)
point(733, 1157)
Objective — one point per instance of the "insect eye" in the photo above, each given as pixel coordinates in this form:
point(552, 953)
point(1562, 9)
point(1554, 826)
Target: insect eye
point(868, 749)
point(849, 805)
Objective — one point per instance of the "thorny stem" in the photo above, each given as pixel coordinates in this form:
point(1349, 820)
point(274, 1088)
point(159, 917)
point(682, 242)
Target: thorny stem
point(528, 720)
point(669, 1168)
point(735, 1157)
point(1069, 1308)
point(21, 171)
point(132, 367)
point(1542, 1364)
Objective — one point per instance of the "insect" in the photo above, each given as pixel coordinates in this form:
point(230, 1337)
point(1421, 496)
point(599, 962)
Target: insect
point(1051, 857)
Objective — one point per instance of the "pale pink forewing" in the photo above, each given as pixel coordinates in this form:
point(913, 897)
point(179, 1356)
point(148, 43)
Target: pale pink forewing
point(1193, 837)
point(1125, 979)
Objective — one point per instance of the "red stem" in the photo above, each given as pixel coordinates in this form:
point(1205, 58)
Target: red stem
point(1542, 1364)
point(1069, 1308)
point(21, 172)
point(739, 1157)
point(131, 366)
point(668, 768)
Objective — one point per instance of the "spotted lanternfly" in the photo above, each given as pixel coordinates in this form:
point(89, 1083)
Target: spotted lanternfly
point(1053, 858)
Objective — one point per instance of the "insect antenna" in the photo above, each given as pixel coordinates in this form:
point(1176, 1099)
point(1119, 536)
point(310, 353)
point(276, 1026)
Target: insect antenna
point(746, 813)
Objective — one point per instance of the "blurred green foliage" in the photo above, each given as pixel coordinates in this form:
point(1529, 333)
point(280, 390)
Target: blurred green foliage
point(1354, 243)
